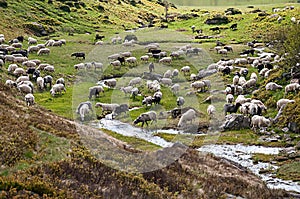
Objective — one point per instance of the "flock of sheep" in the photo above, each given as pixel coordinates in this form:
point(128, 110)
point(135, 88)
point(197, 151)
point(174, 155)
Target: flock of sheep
point(25, 71)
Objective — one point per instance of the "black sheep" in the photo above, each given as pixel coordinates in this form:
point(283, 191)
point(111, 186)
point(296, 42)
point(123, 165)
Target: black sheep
point(78, 54)
point(231, 108)
point(226, 71)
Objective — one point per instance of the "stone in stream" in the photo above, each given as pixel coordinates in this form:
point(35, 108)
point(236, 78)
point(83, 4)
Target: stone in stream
point(235, 122)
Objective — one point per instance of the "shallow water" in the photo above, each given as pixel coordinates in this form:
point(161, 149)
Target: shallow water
point(240, 154)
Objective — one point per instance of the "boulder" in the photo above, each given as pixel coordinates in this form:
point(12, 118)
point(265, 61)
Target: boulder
point(205, 73)
point(235, 122)
point(217, 20)
point(37, 29)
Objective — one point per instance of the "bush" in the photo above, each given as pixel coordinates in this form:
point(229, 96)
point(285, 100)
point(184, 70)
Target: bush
point(3, 4)
point(65, 8)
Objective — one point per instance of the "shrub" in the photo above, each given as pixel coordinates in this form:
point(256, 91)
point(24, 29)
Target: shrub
point(3, 4)
point(65, 8)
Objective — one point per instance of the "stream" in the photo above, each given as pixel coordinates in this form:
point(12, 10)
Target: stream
point(240, 154)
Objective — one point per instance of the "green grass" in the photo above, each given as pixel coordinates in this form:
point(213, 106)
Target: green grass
point(289, 171)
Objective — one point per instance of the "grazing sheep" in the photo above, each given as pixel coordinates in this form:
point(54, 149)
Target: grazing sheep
point(244, 71)
point(180, 101)
point(145, 117)
point(40, 83)
point(126, 89)
point(185, 70)
point(123, 108)
point(29, 99)
point(272, 86)
point(253, 76)
point(134, 92)
point(283, 102)
point(207, 83)
point(242, 81)
point(263, 72)
point(12, 67)
point(229, 98)
point(211, 110)
point(166, 81)
point(157, 96)
point(198, 85)
point(175, 73)
point(57, 88)
point(165, 60)
point(231, 108)
point(235, 80)
point(95, 91)
point(131, 60)
point(83, 109)
point(151, 67)
point(168, 74)
point(114, 56)
point(147, 101)
point(135, 81)
point(144, 58)
point(260, 104)
point(153, 85)
point(249, 84)
point(242, 99)
point(22, 78)
point(97, 65)
point(60, 80)
point(44, 51)
point(49, 68)
point(48, 80)
point(189, 115)
point(110, 83)
point(223, 51)
point(106, 107)
point(10, 83)
point(78, 54)
point(116, 64)
point(24, 88)
point(88, 65)
point(19, 71)
point(175, 88)
point(32, 49)
point(31, 41)
point(260, 121)
point(292, 87)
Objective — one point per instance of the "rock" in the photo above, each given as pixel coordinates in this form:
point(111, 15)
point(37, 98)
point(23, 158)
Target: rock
point(294, 127)
point(285, 129)
point(235, 122)
point(217, 20)
point(130, 37)
point(36, 28)
point(205, 73)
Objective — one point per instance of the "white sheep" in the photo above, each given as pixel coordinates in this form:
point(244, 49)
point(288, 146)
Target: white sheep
point(166, 81)
point(19, 71)
point(207, 83)
point(110, 83)
point(144, 58)
point(185, 70)
point(165, 60)
point(175, 88)
point(253, 76)
point(283, 102)
point(249, 84)
point(189, 115)
point(40, 83)
point(193, 77)
point(131, 60)
point(77, 66)
point(135, 81)
point(235, 80)
point(229, 98)
point(22, 78)
point(168, 74)
point(95, 90)
point(106, 107)
point(223, 51)
point(10, 83)
point(272, 86)
point(114, 56)
point(263, 72)
point(126, 89)
point(20, 59)
point(29, 99)
point(31, 41)
point(175, 73)
point(180, 101)
point(44, 51)
point(97, 65)
point(49, 68)
point(241, 81)
point(12, 67)
point(24, 88)
point(198, 85)
point(147, 101)
point(242, 99)
point(260, 121)
point(115, 63)
point(57, 88)
point(211, 110)
point(292, 87)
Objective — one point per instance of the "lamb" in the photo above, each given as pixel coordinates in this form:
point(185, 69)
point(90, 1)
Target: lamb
point(260, 121)
point(189, 115)
point(95, 90)
point(292, 87)
point(106, 107)
point(24, 88)
point(40, 83)
point(180, 101)
point(29, 99)
point(185, 70)
point(283, 102)
point(147, 101)
point(44, 51)
point(110, 83)
point(165, 60)
point(211, 110)
point(135, 81)
point(57, 88)
point(166, 81)
point(272, 86)
point(229, 98)
point(168, 74)
point(145, 117)
point(97, 65)
point(231, 108)
point(175, 88)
